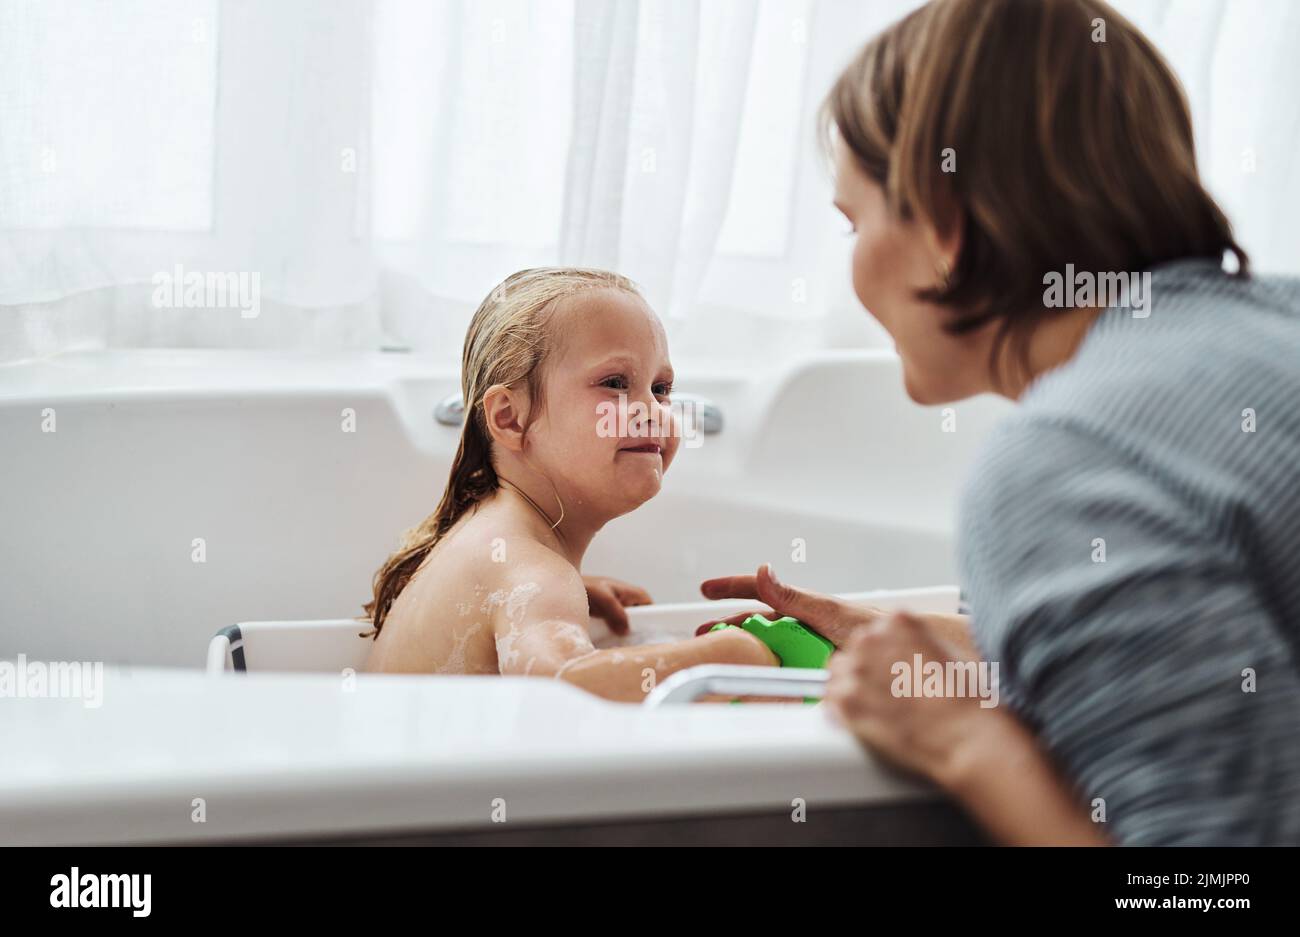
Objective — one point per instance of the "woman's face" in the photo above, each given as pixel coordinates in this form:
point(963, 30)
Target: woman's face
point(892, 259)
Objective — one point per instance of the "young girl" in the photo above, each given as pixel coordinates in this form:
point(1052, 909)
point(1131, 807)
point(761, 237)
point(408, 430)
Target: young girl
point(490, 582)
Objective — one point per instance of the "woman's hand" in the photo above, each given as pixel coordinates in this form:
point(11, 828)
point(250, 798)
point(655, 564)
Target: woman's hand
point(832, 618)
point(607, 597)
point(983, 756)
point(926, 734)
point(916, 732)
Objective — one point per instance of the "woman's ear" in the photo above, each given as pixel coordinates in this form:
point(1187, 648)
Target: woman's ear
point(946, 238)
point(504, 412)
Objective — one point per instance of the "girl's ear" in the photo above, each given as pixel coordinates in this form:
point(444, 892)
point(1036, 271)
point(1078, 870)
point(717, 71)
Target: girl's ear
point(504, 412)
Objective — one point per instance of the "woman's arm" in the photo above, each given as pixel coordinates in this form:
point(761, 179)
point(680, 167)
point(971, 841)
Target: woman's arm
point(1155, 671)
point(1012, 789)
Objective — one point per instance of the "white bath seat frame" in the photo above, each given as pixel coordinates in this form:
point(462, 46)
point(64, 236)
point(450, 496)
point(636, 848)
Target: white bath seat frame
point(337, 645)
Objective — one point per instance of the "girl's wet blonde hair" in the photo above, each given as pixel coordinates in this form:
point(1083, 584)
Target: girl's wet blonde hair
point(509, 339)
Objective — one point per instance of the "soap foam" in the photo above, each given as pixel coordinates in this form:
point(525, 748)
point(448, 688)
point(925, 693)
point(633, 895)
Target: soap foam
point(575, 636)
point(506, 653)
point(515, 602)
point(455, 662)
point(576, 660)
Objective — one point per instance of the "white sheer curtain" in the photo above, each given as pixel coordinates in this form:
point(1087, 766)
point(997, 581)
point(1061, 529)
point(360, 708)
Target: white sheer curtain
point(379, 164)
point(1240, 63)
point(139, 135)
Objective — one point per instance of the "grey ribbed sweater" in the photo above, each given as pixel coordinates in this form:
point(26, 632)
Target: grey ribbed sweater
point(1131, 554)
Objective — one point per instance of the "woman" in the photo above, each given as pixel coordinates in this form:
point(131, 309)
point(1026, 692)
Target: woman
point(1130, 538)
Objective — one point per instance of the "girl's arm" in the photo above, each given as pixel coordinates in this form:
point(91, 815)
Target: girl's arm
point(540, 634)
point(628, 674)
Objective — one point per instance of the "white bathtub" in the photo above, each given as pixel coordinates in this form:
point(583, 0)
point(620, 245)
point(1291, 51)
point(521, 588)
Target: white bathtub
point(245, 452)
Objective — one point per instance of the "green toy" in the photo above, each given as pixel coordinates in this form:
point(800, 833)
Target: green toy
point(789, 640)
point(794, 644)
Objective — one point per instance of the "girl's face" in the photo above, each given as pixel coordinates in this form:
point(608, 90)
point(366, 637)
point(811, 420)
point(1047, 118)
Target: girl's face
point(892, 259)
point(606, 433)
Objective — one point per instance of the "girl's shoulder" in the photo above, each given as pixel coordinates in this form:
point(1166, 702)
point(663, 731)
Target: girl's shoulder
point(513, 572)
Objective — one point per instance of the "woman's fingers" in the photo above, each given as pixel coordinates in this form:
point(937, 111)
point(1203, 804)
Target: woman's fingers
point(828, 616)
point(729, 587)
point(735, 619)
point(792, 600)
point(766, 587)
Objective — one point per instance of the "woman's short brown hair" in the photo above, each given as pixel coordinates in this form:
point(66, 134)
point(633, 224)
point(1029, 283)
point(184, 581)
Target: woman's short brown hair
point(1068, 149)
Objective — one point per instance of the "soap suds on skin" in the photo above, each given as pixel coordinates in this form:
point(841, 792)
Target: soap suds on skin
point(569, 663)
point(455, 662)
point(577, 640)
point(568, 638)
point(515, 602)
point(575, 635)
point(506, 653)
